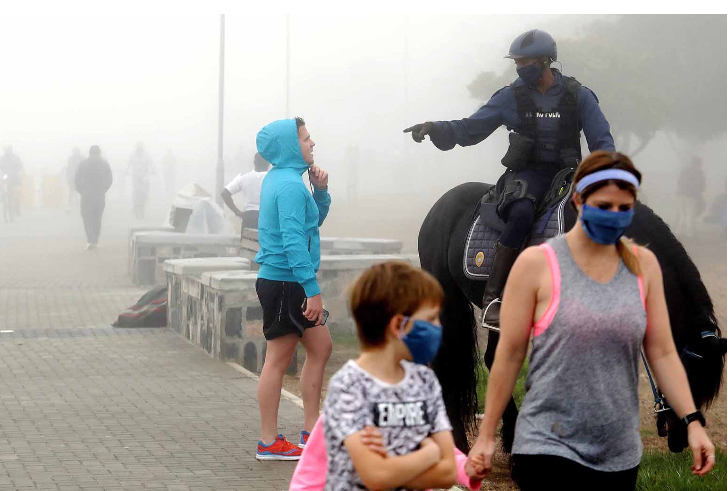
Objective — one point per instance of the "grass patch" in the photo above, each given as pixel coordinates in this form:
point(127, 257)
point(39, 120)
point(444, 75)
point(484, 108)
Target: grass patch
point(645, 432)
point(518, 391)
point(671, 472)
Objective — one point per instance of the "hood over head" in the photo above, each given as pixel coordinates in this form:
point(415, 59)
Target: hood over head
point(278, 144)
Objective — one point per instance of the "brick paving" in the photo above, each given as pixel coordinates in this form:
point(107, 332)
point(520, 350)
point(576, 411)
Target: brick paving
point(84, 406)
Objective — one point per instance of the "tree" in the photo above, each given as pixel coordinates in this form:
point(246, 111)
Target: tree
point(651, 73)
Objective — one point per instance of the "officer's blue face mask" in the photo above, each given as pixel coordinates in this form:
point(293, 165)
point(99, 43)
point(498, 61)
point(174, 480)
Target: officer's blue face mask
point(531, 74)
point(423, 340)
point(605, 227)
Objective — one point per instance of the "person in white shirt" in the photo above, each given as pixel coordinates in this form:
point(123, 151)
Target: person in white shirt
point(249, 185)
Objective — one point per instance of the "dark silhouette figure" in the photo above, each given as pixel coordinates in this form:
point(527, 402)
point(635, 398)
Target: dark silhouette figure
point(93, 180)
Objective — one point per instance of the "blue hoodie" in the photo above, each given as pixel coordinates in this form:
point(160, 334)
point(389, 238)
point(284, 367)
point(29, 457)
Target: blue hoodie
point(289, 220)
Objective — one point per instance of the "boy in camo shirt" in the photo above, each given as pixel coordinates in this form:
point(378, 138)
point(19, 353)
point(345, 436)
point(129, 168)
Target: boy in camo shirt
point(396, 309)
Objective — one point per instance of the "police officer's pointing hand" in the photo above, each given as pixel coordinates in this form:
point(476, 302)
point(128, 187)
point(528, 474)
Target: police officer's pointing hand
point(419, 131)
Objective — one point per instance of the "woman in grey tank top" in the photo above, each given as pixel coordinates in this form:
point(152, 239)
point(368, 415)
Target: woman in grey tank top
point(590, 300)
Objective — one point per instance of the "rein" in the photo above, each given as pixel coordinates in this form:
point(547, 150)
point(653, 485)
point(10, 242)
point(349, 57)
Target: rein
point(661, 403)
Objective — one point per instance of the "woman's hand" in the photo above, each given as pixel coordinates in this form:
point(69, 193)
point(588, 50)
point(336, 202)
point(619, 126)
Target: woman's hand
point(480, 458)
point(702, 449)
point(318, 177)
point(475, 466)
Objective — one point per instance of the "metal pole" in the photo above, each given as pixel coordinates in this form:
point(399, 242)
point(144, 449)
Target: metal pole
point(220, 174)
point(406, 70)
point(288, 66)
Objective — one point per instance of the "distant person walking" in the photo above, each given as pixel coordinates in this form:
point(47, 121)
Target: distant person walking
point(691, 202)
point(289, 256)
point(141, 169)
point(93, 180)
point(248, 184)
point(71, 167)
point(590, 300)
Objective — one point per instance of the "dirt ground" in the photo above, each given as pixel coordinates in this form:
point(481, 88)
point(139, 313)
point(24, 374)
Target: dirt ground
point(710, 258)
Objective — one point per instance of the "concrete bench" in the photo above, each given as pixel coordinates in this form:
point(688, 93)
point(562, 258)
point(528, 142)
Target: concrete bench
point(330, 246)
point(336, 275)
point(220, 312)
point(178, 269)
point(130, 242)
point(150, 250)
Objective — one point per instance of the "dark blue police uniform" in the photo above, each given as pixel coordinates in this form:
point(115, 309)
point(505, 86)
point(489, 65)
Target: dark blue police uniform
point(502, 109)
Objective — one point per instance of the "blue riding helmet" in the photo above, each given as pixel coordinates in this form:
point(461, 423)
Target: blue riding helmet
point(533, 44)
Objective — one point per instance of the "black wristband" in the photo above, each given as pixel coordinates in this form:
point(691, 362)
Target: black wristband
point(696, 416)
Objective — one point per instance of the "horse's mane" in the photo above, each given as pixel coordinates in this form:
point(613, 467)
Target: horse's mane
point(673, 252)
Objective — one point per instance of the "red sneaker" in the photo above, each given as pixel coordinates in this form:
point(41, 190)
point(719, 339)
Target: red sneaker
point(304, 438)
point(280, 449)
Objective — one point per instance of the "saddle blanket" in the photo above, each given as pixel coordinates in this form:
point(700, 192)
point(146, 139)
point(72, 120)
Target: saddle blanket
point(481, 239)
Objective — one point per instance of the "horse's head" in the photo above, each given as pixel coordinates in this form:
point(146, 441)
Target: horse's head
point(703, 356)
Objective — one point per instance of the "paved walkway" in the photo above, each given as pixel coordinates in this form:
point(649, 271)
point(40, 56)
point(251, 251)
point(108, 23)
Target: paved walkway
point(85, 406)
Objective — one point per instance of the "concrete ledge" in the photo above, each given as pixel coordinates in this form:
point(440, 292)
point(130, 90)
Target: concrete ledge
point(344, 245)
point(130, 243)
point(176, 238)
point(220, 311)
point(330, 245)
point(200, 265)
point(229, 280)
point(355, 261)
point(149, 251)
point(177, 270)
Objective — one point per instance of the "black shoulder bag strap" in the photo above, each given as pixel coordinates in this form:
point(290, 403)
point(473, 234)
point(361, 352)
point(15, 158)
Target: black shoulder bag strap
point(569, 123)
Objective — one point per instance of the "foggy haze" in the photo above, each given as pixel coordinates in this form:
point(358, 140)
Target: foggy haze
point(357, 80)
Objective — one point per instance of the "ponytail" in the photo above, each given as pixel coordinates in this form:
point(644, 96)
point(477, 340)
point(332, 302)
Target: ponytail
point(627, 251)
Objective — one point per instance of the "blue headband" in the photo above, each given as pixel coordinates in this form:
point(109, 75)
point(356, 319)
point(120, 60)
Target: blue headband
point(606, 175)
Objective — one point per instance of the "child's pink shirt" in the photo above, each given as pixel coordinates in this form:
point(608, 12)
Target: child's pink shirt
point(310, 473)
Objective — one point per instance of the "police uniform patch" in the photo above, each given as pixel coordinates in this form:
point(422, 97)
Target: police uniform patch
point(479, 259)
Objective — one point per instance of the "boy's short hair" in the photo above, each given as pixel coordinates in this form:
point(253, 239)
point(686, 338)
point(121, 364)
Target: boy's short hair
point(385, 290)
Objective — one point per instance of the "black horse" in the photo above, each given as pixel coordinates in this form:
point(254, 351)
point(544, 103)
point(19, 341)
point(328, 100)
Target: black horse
point(441, 242)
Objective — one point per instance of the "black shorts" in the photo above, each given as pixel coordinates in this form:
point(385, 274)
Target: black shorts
point(536, 472)
point(282, 313)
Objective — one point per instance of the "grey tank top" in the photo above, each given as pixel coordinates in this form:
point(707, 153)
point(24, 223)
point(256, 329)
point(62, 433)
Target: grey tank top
point(581, 399)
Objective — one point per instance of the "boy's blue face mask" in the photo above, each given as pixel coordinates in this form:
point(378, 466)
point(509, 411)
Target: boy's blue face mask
point(423, 340)
point(605, 227)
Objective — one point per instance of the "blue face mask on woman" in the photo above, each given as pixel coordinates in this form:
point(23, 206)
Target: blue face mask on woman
point(530, 74)
point(605, 227)
point(422, 341)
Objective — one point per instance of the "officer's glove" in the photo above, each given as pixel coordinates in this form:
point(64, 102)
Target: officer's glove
point(419, 131)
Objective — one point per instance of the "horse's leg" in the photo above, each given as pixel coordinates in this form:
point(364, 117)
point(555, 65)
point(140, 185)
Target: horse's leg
point(510, 414)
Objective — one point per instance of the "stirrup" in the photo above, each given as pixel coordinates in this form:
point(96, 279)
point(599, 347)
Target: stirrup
point(484, 324)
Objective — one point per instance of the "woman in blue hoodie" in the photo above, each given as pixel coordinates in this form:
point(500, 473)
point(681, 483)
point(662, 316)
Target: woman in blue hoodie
point(289, 256)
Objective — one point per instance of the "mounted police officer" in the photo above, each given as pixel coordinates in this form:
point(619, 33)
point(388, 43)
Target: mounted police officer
point(545, 112)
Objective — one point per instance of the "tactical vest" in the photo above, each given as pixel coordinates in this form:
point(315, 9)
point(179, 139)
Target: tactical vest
point(569, 124)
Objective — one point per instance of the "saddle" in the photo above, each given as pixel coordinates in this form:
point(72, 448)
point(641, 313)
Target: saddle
point(486, 225)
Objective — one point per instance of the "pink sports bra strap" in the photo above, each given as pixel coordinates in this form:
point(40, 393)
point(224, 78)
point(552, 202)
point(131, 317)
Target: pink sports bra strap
point(543, 323)
point(640, 283)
